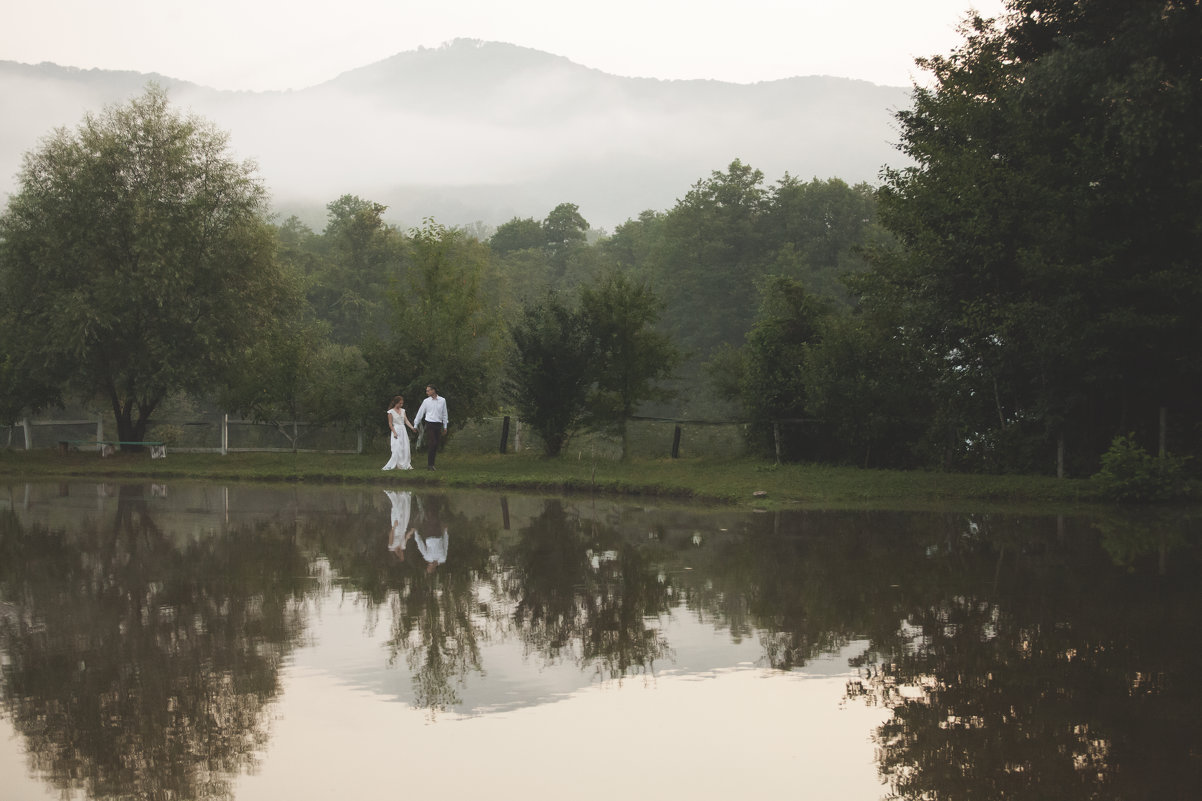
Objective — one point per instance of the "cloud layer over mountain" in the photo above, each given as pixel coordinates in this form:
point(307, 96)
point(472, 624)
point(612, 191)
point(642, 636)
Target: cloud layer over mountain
point(485, 132)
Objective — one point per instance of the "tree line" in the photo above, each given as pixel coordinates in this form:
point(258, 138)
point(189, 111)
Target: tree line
point(1013, 300)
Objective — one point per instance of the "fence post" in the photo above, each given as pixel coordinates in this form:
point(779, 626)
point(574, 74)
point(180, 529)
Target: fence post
point(776, 436)
point(504, 433)
point(100, 429)
point(676, 443)
point(225, 434)
point(359, 447)
point(517, 436)
point(27, 427)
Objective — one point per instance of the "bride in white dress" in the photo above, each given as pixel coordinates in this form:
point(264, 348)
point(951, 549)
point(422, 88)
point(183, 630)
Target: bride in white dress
point(398, 421)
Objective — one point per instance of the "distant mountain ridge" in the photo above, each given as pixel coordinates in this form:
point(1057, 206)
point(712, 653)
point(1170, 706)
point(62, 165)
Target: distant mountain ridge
point(483, 132)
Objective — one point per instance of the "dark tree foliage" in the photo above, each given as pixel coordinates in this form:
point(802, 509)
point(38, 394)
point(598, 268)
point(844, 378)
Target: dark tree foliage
point(358, 257)
point(551, 372)
point(707, 256)
point(591, 366)
point(632, 243)
point(444, 327)
point(520, 233)
point(772, 385)
point(565, 227)
point(535, 257)
point(633, 358)
point(1049, 231)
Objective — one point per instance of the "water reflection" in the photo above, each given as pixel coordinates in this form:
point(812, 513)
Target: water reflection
point(138, 666)
point(399, 531)
point(146, 633)
point(580, 591)
point(1035, 664)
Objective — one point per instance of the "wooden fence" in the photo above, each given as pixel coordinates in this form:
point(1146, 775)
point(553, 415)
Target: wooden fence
point(649, 437)
point(212, 435)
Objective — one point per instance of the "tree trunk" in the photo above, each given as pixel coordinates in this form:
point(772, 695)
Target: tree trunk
point(997, 401)
point(129, 429)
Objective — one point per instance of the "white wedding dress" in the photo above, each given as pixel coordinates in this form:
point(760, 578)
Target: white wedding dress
point(401, 502)
point(401, 459)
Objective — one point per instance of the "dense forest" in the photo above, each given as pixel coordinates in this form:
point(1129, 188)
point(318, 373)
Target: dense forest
point(1017, 299)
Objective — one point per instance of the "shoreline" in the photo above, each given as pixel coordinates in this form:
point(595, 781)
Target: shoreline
point(739, 482)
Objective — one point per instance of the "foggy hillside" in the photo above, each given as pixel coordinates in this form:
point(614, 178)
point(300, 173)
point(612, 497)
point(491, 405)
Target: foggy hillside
point(474, 131)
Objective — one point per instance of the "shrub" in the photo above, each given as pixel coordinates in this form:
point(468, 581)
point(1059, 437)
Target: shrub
point(167, 434)
point(1130, 474)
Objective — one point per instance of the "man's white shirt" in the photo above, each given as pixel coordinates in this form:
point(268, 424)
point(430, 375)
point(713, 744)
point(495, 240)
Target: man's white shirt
point(433, 410)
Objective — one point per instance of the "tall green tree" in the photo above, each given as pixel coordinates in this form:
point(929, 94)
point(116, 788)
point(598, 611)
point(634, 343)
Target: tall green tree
point(535, 257)
point(564, 228)
point(709, 258)
point(136, 261)
point(708, 254)
point(295, 375)
point(551, 373)
point(633, 243)
point(519, 233)
point(358, 255)
point(869, 390)
point(1048, 228)
point(815, 231)
point(445, 327)
point(634, 359)
point(773, 388)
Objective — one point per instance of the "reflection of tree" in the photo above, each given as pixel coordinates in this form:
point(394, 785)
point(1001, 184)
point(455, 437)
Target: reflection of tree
point(1130, 536)
point(437, 623)
point(138, 667)
point(588, 593)
point(808, 583)
point(1043, 669)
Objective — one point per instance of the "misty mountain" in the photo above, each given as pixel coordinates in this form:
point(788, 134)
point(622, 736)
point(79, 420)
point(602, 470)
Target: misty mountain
point(480, 131)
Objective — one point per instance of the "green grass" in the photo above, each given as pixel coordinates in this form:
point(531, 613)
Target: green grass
point(740, 481)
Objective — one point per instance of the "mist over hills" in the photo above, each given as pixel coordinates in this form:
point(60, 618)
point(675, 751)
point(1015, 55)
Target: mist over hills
point(483, 132)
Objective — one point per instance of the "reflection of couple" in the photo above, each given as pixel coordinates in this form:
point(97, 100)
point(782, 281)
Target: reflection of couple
point(399, 533)
point(432, 539)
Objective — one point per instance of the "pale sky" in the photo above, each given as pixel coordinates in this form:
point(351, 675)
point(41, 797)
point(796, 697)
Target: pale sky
point(272, 44)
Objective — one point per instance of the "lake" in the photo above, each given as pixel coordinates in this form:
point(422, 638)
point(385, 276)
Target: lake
point(186, 640)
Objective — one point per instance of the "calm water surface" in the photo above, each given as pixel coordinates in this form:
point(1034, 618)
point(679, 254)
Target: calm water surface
point(197, 641)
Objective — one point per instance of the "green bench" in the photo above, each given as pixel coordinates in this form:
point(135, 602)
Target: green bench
point(158, 450)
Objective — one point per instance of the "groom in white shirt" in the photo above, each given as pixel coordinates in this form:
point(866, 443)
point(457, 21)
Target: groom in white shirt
point(434, 412)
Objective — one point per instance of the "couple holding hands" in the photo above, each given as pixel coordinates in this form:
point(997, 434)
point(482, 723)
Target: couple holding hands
point(433, 412)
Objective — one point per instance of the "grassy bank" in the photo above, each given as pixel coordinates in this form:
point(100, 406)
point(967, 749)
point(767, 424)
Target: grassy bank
point(742, 481)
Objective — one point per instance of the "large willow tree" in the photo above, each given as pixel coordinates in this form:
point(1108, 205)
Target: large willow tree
point(135, 262)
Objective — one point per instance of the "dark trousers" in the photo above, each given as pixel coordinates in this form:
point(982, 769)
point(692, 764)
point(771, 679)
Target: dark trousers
point(433, 440)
